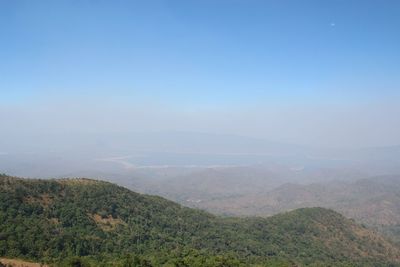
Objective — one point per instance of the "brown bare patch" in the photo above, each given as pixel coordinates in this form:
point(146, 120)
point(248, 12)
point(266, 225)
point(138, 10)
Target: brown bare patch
point(44, 200)
point(20, 263)
point(54, 221)
point(107, 223)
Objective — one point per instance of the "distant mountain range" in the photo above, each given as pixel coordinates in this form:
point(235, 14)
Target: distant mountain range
point(53, 155)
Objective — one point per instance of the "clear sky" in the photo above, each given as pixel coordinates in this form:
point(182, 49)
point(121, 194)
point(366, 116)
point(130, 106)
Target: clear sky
point(310, 72)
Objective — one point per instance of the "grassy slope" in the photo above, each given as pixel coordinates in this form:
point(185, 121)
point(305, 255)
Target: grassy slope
point(53, 219)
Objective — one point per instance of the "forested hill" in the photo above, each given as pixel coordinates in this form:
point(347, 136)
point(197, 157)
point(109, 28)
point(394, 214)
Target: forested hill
point(83, 222)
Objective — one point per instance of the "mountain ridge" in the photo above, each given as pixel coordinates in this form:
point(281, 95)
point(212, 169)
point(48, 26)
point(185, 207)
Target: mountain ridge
point(50, 220)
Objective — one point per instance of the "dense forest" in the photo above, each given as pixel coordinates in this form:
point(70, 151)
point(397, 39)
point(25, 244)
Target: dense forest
point(83, 222)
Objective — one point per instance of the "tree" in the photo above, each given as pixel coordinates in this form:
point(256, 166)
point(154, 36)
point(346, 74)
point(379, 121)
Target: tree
point(76, 262)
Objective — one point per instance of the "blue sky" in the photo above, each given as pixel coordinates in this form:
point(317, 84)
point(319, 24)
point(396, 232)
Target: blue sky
point(209, 55)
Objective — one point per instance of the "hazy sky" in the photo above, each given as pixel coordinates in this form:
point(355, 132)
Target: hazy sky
point(309, 72)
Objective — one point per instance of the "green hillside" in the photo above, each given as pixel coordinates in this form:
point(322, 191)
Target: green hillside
point(78, 222)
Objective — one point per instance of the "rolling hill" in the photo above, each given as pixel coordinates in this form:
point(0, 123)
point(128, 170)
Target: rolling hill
point(262, 191)
point(67, 222)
